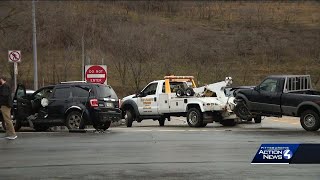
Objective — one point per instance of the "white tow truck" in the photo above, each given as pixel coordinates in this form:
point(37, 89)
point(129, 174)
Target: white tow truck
point(179, 96)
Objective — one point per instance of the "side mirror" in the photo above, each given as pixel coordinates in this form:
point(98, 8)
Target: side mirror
point(139, 94)
point(142, 94)
point(257, 88)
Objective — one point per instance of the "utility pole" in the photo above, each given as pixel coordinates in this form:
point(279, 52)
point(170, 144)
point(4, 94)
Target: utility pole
point(82, 66)
point(35, 60)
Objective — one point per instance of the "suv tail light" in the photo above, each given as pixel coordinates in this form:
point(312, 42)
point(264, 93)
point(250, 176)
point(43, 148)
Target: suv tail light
point(94, 103)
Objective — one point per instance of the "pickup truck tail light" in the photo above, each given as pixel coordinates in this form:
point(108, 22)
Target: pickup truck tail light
point(119, 103)
point(94, 103)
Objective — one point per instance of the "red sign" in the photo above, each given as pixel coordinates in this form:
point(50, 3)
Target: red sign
point(96, 74)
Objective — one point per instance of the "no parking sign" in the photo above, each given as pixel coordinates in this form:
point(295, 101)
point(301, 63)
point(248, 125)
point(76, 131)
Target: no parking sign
point(14, 56)
point(96, 74)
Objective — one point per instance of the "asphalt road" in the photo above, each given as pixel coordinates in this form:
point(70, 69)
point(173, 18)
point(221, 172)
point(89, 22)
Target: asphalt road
point(147, 151)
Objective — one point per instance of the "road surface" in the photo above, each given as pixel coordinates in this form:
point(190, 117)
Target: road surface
point(147, 151)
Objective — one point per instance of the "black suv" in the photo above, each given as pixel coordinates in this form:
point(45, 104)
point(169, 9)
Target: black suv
point(70, 104)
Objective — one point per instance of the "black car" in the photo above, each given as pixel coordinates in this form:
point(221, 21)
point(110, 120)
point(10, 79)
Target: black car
point(70, 104)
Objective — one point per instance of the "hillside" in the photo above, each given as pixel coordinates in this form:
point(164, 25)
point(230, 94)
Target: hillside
point(142, 41)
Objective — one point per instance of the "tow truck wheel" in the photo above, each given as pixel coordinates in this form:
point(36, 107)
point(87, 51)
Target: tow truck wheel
point(189, 92)
point(74, 120)
point(310, 120)
point(129, 118)
point(194, 117)
point(257, 119)
point(180, 92)
point(162, 121)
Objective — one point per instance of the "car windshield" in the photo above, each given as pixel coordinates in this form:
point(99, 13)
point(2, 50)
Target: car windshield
point(105, 91)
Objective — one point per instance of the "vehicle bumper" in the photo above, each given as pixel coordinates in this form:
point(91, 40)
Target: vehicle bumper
point(103, 116)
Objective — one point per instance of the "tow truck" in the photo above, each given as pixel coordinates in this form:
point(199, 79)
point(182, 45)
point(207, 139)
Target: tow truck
point(179, 96)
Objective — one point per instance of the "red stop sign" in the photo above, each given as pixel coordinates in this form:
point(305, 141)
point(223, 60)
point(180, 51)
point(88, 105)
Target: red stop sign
point(96, 74)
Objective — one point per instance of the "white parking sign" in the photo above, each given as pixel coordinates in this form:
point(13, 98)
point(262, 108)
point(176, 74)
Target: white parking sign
point(14, 56)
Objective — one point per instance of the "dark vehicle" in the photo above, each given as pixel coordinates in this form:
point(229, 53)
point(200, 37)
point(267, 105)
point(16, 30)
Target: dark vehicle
point(289, 95)
point(70, 104)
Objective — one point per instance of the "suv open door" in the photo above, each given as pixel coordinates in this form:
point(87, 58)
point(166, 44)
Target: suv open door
point(21, 104)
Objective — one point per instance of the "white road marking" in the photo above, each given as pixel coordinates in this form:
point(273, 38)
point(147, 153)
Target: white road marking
point(170, 130)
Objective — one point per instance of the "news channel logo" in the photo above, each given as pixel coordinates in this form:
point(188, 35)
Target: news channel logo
point(275, 153)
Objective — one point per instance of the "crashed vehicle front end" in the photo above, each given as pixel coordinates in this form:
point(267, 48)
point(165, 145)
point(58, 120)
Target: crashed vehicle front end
point(215, 99)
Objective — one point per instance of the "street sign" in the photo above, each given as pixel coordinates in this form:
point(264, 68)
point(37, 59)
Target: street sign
point(96, 74)
point(14, 56)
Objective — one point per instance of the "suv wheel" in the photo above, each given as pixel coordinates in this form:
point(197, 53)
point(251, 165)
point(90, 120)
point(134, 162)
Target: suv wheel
point(74, 120)
point(103, 127)
point(129, 118)
point(310, 120)
point(194, 117)
point(106, 125)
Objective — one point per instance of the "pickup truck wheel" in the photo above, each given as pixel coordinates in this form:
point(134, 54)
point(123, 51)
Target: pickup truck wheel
point(228, 122)
point(310, 120)
point(257, 119)
point(128, 118)
point(242, 111)
point(75, 121)
point(194, 117)
point(162, 121)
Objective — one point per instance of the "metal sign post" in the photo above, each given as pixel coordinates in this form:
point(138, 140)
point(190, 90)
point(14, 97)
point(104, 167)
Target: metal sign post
point(15, 65)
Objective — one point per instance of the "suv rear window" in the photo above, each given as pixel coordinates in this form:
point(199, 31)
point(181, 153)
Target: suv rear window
point(81, 91)
point(62, 92)
point(105, 91)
